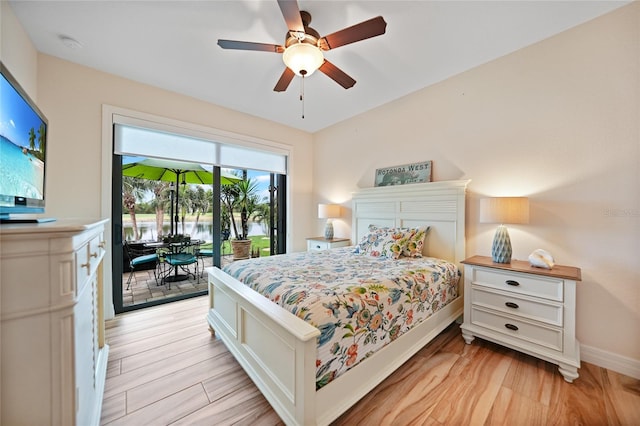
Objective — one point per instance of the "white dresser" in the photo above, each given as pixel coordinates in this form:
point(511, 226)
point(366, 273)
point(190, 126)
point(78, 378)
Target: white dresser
point(53, 356)
point(321, 243)
point(529, 309)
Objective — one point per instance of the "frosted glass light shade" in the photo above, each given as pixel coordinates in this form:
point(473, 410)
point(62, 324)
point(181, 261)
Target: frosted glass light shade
point(303, 58)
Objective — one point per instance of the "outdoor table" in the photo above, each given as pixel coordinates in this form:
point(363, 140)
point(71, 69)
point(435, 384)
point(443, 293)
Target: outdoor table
point(175, 248)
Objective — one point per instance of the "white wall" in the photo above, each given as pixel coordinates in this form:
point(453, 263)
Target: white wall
point(17, 52)
point(558, 122)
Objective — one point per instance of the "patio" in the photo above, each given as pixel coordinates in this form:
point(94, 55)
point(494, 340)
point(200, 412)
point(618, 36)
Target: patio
point(145, 289)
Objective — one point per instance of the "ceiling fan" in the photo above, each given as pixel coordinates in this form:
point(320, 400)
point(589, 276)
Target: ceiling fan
point(303, 47)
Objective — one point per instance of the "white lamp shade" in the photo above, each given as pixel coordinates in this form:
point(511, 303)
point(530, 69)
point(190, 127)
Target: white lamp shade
point(327, 211)
point(504, 210)
point(303, 58)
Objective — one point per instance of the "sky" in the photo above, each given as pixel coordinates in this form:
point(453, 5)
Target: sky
point(16, 116)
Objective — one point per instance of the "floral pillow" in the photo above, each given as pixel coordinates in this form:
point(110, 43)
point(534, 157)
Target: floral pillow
point(415, 242)
point(392, 242)
point(381, 242)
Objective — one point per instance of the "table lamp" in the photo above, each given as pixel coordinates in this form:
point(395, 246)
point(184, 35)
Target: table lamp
point(503, 210)
point(328, 211)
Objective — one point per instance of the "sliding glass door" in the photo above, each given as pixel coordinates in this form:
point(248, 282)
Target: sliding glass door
point(189, 201)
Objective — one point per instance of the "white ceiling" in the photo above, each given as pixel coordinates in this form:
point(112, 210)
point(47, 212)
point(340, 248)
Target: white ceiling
point(172, 45)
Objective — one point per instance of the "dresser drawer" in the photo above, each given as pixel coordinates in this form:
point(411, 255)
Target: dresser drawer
point(82, 265)
point(548, 288)
point(510, 303)
point(549, 337)
point(88, 257)
point(96, 252)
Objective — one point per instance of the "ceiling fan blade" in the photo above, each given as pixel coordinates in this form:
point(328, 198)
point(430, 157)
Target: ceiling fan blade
point(248, 45)
point(337, 75)
point(284, 81)
point(291, 13)
point(367, 29)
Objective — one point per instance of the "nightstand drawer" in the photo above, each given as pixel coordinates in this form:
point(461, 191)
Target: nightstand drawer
point(320, 243)
point(549, 337)
point(531, 308)
point(526, 308)
point(317, 245)
point(548, 288)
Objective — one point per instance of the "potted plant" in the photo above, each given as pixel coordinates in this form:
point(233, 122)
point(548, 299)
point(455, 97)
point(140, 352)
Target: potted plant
point(244, 200)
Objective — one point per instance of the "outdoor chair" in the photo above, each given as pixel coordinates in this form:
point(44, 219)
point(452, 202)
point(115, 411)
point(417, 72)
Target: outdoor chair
point(137, 258)
point(204, 253)
point(180, 258)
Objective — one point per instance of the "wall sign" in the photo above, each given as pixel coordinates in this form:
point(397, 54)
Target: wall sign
point(407, 173)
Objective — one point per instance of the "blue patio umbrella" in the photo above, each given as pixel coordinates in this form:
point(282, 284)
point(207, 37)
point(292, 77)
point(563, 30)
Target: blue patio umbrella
point(175, 171)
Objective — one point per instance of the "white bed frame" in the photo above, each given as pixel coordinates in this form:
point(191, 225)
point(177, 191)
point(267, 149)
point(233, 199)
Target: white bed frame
point(278, 349)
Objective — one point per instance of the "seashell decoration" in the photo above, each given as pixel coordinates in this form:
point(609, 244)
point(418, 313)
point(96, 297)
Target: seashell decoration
point(541, 259)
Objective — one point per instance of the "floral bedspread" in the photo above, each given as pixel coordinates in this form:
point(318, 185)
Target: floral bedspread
point(359, 303)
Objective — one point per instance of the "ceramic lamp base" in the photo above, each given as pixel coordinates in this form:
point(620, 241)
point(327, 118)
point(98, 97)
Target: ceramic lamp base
point(328, 230)
point(501, 248)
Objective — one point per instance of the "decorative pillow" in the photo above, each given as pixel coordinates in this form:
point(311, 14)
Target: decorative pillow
point(392, 242)
point(381, 242)
point(415, 242)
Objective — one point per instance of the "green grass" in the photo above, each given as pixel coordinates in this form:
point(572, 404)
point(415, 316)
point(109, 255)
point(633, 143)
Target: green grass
point(257, 241)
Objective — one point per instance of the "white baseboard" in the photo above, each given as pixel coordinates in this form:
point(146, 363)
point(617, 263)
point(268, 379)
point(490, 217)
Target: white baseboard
point(611, 361)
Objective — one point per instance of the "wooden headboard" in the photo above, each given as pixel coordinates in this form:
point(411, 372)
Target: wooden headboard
point(440, 205)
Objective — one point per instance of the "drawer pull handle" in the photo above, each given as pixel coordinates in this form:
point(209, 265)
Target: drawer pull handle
point(511, 327)
point(93, 255)
point(512, 305)
point(513, 283)
point(85, 265)
point(102, 244)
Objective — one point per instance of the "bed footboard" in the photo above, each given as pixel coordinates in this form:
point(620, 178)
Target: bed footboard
point(278, 352)
point(275, 348)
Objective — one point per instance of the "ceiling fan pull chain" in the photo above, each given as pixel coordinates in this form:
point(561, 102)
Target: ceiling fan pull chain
point(302, 95)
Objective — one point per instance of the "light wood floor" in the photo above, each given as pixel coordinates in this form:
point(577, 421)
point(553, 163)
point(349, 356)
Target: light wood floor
point(165, 368)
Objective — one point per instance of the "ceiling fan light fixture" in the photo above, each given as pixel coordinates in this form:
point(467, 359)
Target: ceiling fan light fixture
point(303, 58)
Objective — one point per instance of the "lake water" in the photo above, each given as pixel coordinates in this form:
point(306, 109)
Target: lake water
point(204, 230)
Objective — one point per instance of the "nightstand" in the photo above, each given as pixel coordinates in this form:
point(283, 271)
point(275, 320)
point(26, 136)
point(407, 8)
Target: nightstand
point(321, 243)
point(529, 309)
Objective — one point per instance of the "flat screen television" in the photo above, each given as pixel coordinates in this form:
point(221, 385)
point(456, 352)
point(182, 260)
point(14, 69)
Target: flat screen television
point(23, 152)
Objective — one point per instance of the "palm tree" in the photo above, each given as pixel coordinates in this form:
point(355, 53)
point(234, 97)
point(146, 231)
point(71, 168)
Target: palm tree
point(132, 190)
point(185, 204)
point(41, 140)
point(41, 137)
point(200, 205)
point(32, 139)
point(162, 198)
point(261, 213)
point(246, 202)
point(228, 195)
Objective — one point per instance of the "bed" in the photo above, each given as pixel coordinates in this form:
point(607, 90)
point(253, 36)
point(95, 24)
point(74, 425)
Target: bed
point(278, 350)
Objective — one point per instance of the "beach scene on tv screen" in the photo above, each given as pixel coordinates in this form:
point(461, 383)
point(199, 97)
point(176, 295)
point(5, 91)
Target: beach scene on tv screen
point(22, 146)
